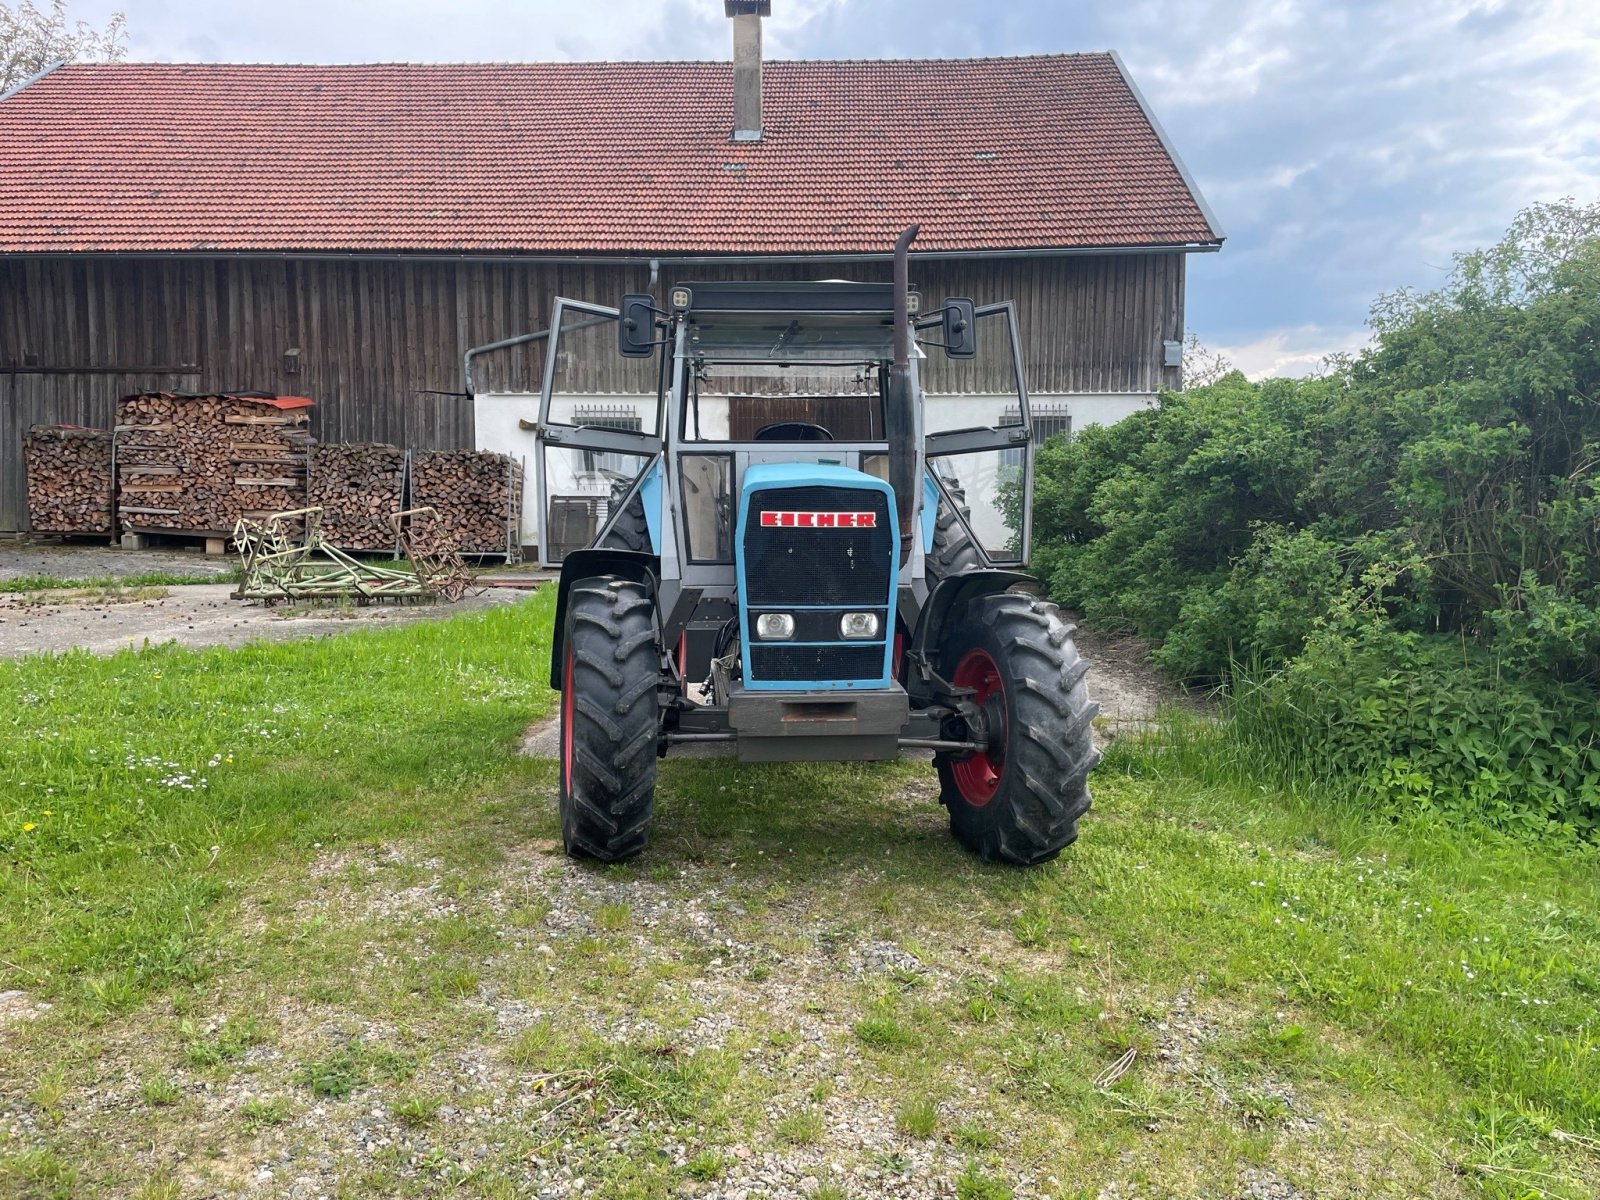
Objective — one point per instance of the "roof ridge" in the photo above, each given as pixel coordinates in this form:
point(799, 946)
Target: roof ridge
point(1060, 55)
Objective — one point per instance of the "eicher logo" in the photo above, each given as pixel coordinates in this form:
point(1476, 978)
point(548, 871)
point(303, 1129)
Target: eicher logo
point(820, 520)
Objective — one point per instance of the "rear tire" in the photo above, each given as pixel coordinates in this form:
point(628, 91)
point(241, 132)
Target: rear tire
point(953, 549)
point(1019, 801)
point(630, 531)
point(610, 718)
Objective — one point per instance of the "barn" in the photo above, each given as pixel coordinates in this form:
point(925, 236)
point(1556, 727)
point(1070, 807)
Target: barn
point(364, 235)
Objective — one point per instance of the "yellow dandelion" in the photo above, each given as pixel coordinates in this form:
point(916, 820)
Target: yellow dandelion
point(29, 827)
point(48, 813)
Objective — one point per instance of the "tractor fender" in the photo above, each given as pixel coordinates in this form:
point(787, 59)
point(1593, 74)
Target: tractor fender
point(951, 594)
point(586, 564)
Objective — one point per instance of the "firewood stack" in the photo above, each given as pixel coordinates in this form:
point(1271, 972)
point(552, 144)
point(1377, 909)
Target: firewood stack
point(478, 495)
point(358, 485)
point(69, 479)
point(199, 463)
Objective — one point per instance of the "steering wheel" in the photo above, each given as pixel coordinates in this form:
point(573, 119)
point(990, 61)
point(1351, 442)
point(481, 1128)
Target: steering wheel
point(793, 431)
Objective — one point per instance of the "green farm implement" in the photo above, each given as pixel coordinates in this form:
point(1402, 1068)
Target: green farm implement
point(286, 558)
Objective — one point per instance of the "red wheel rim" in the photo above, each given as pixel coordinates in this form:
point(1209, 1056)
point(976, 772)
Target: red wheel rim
point(978, 775)
point(566, 727)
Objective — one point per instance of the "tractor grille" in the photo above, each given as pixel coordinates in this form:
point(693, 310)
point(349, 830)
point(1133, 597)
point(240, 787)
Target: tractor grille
point(790, 569)
point(813, 664)
point(846, 567)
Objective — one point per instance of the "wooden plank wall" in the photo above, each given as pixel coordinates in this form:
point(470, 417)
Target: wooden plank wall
point(381, 343)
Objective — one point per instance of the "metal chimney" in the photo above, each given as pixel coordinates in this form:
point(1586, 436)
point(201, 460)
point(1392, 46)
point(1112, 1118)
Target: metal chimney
point(746, 16)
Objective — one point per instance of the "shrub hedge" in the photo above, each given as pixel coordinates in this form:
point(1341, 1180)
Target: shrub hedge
point(1402, 554)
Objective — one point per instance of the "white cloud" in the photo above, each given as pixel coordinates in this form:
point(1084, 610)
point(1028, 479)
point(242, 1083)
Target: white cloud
point(427, 31)
point(1291, 352)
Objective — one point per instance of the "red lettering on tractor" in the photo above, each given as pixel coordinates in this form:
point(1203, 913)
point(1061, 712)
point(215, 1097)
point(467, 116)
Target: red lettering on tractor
point(819, 520)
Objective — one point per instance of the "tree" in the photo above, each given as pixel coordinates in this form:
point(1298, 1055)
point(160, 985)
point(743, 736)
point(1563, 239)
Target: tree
point(32, 38)
point(1203, 366)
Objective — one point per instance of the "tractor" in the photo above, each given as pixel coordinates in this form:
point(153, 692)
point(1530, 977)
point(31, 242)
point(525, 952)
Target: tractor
point(801, 551)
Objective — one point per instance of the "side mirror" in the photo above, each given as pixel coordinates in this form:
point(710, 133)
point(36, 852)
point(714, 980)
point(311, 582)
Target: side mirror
point(636, 330)
point(960, 330)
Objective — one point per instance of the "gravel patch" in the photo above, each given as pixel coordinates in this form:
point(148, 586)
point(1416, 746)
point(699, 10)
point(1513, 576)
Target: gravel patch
point(17, 1006)
point(1258, 1184)
point(198, 615)
point(90, 560)
point(1129, 688)
point(1181, 1036)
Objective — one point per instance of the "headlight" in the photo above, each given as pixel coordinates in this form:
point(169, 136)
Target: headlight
point(774, 627)
point(858, 626)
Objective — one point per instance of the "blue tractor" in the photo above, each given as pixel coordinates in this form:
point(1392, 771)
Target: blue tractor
point(804, 553)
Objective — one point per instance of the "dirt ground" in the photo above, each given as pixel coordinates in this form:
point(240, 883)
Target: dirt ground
point(199, 614)
point(1125, 683)
point(94, 560)
point(194, 615)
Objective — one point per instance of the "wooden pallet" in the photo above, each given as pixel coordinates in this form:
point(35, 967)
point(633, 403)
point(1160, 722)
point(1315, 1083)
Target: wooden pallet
point(140, 537)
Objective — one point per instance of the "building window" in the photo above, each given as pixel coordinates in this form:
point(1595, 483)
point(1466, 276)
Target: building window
point(1048, 421)
point(609, 416)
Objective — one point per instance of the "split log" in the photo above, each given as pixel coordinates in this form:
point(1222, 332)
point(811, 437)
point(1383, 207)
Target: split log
point(477, 494)
point(199, 441)
point(358, 486)
point(69, 479)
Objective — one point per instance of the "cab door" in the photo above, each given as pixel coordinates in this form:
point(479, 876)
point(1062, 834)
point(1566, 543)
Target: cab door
point(599, 427)
point(978, 434)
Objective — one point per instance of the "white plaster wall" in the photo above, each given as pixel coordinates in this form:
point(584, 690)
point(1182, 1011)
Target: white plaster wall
point(496, 418)
point(1104, 409)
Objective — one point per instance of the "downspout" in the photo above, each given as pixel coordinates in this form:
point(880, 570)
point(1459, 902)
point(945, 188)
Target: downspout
point(899, 421)
point(524, 339)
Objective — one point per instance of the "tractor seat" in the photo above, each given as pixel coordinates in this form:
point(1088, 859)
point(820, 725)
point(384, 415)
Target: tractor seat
point(793, 431)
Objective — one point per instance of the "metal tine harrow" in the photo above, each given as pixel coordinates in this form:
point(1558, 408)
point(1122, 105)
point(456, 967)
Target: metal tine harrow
point(281, 563)
point(432, 552)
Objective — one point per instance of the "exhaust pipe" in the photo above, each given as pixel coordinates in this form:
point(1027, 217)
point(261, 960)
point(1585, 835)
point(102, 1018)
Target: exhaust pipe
point(900, 421)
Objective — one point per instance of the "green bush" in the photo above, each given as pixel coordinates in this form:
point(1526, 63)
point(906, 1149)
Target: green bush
point(1408, 546)
point(1431, 724)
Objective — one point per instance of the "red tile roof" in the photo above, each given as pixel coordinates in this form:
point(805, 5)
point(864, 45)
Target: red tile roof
point(588, 158)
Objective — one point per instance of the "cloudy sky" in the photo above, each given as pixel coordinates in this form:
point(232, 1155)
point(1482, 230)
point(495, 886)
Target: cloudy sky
point(1347, 146)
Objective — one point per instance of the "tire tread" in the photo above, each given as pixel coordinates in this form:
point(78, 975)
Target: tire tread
point(606, 812)
point(1050, 749)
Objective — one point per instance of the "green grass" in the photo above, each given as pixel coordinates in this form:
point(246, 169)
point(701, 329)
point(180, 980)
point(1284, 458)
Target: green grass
point(94, 595)
point(133, 787)
point(317, 878)
point(802, 1128)
point(263, 1112)
point(113, 583)
point(917, 1118)
point(159, 1091)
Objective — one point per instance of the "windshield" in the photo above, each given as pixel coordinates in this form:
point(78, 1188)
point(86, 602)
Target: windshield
point(810, 337)
point(784, 402)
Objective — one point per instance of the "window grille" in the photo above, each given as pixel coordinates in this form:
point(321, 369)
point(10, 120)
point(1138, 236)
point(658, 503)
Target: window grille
point(1048, 421)
point(609, 416)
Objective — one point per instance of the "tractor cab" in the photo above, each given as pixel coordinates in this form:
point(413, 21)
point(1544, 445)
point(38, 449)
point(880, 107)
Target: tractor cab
point(795, 538)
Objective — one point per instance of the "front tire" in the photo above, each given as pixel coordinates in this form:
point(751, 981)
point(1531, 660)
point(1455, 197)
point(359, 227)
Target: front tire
point(610, 719)
point(1019, 801)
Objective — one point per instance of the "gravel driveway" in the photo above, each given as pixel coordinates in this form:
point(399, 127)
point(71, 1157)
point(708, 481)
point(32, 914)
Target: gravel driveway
point(94, 560)
point(194, 615)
